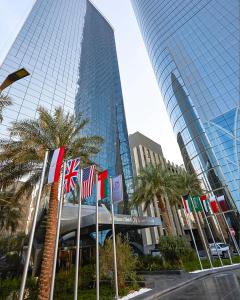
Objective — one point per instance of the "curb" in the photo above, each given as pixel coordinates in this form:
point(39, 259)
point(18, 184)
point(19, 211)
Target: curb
point(204, 273)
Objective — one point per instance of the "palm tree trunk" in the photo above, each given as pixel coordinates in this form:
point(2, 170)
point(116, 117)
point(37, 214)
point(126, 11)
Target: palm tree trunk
point(49, 245)
point(178, 223)
point(165, 216)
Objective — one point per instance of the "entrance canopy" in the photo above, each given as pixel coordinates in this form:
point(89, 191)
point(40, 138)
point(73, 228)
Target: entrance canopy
point(88, 220)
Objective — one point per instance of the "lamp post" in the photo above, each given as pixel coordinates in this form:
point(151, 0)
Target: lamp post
point(15, 76)
point(11, 78)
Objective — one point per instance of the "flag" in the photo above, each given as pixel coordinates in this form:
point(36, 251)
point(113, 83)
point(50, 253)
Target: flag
point(55, 159)
point(205, 203)
point(87, 181)
point(222, 202)
point(71, 174)
point(213, 204)
point(197, 203)
point(117, 189)
point(187, 204)
point(102, 185)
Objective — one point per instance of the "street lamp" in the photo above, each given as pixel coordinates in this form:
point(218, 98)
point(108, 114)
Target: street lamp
point(11, 78)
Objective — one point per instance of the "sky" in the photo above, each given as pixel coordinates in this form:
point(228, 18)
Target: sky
point(144, 107)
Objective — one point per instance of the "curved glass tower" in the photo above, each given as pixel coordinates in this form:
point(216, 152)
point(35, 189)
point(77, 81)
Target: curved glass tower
point(194, 49)
point(68, 48)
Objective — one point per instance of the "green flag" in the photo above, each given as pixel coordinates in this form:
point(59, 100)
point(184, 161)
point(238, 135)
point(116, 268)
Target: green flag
point(187, 204)
point(197, 204)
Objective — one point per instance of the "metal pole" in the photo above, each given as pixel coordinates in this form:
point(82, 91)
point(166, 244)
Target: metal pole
point(193, 238)
point(114, 244)
point(223, 238)
point(211, 233)
point(30, 243)
point(78, 238)
point(201, 232)
point(97, 242)
point(233, 239)
point(58, 232)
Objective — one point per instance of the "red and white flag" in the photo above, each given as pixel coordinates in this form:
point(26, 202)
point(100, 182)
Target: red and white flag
point(222, 202)
point(87, 181)
point(213, 204)
point(56, 158)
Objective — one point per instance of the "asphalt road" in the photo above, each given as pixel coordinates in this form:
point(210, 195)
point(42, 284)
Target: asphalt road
point(219, 286)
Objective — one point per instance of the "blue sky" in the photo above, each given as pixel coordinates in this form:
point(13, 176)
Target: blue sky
point(145, 111)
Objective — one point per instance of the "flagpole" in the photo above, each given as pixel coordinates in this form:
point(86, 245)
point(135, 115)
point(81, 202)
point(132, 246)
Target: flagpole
point(114, 242)
point(201, 232)
point(97, 242)
point(78, 238)
point(58, 232)
point(193, 238)
point(30, 243)
point(224, 217)
point(223, 238)
point(211, 233)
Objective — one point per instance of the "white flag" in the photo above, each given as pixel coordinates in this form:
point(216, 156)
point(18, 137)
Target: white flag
point(117, 189)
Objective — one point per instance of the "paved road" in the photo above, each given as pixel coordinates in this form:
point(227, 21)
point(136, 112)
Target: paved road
point(222, 286)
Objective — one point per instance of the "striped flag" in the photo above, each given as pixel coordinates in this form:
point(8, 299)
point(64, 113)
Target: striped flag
point(197, 203)
point(187, 204)
point(55, 159)
point(222, 202)
point(87, 181)
point(205, 203)
point(71, 174)
point(213, 204)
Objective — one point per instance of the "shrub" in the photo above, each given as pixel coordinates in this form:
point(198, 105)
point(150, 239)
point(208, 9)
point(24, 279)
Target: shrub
point(149, 263)
point(9, 289)
point(126, 261)
point(86, 276)
point(175, 250)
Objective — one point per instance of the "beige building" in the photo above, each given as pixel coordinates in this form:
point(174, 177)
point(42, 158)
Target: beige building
point(145, 151)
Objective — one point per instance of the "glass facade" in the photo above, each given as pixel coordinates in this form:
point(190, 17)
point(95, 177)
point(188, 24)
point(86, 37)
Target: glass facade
point(194, 49)
point(69, 50)
point(99, 96)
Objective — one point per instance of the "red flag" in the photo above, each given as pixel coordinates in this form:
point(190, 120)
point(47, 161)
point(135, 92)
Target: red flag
point(222, 202)
point(213, 204)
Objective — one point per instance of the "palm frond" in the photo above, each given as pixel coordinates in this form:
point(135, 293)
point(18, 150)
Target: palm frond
point(22, 156)
point(4, 101)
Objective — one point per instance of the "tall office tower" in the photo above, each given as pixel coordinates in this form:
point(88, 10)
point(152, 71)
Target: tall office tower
point(194, 49)
point(145, 152)
point(99, 96)
point(69, 49)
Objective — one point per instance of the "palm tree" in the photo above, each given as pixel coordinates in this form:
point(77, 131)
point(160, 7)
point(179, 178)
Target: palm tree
point(152, 183)
point(10, 211)
point(187, 183)
point(22, 157)
point(4, 101)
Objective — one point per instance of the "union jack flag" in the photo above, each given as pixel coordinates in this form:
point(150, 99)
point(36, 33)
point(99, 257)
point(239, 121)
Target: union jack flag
point(71, 174)
point(87, 181)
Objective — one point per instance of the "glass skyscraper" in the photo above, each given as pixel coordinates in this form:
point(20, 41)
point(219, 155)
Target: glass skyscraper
point(194, 49)
point(68, 47)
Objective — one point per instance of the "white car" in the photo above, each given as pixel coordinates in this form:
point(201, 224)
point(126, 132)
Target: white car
point(222, 249)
